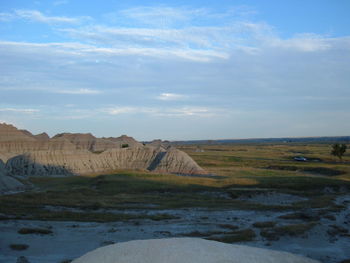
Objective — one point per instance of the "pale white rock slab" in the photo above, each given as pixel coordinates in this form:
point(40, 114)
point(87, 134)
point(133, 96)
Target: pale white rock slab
point(186, 250)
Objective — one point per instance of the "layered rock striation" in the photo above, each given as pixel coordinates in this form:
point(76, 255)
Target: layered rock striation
point(76, 154)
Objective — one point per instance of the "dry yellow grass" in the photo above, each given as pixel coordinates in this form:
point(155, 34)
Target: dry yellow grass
point(252, 159)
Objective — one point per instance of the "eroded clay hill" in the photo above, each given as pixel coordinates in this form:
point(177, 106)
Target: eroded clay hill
point(8, 183)
point(74, 154)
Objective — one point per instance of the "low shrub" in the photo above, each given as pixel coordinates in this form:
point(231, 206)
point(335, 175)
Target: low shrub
point(40, 231)
point(244, 235)
point(19, 247)
point(265, 224)
point(290, 230)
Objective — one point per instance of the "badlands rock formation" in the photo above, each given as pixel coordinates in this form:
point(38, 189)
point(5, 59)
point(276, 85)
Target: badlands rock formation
point(42, 136)
point(160, 143)
point(14, 142)
point(186, 250)
point(8, 183)
point(125, 141)
point(68, 154)
point(86, 141)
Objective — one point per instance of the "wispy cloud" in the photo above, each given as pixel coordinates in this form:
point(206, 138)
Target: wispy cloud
point(193, 42)
point(171, 96)
point(5, 17)
point(79, 50)
point(164, 111)
point(197, 37)
point(76, 91)
point(162, 16)
point(197, 43)
point(303, 42)
point(48, 89)
point(34, 15)
point(190, 111)
point(18, 110)
point(170, 16)
point(121, 110)
point(151, 59)
point(37, 16)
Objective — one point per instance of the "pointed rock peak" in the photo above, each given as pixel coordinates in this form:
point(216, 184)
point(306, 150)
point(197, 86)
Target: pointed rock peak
point(58, 135)
point(76, 137)
point(28, 133)
point(125, 141)
point(7, 126)
point(82, 141)
point(122, 138)
point(42, 136)
point(125, 137)
point(156, 141)
point(9, 132)
point(160, 143)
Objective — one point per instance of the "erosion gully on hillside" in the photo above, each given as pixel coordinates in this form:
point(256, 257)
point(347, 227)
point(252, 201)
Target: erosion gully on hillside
point(249, 201)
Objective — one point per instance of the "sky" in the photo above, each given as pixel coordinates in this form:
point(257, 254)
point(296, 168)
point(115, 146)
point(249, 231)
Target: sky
point(176, 70)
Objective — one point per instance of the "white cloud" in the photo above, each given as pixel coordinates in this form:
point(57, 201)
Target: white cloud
point(165, 111)
point(18, 110)
point(120, 110)
point(37, 16)
point(192, 42)
point(166, 53)
point(233, 65)
point(190, 111)
point(76, 91)
point(79, 50)
point(6, 17)
point(166, 16)
point(162, 16)
point(117, 110)
point(171, 96)
point(303, 42)
point(196, 37)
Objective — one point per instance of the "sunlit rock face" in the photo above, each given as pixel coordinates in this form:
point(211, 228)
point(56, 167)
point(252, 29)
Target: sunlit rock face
point(76, 153)
point(186, 250)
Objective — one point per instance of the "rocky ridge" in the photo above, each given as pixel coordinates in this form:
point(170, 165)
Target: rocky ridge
point(76, 154)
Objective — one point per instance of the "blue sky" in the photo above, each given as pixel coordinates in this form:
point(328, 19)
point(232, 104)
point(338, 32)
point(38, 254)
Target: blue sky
point(176, 70)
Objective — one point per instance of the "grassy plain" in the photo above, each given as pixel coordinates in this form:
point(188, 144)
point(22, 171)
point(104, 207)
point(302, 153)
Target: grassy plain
point(238, 169)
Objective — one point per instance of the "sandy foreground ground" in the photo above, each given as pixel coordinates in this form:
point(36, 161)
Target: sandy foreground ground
point(69, 240)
